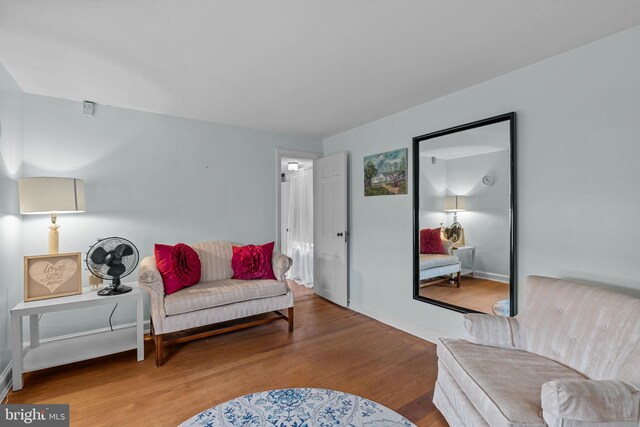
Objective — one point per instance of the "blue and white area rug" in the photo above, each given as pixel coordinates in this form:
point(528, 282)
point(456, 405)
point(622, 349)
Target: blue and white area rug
point(502, 308)
point(299, 407)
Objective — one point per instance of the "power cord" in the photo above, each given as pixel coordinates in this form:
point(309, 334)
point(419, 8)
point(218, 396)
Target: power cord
point(111, 315)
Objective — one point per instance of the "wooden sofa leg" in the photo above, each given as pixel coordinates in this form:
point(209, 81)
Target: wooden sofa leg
point(159, 349)
point(290, 319)
point(458, 280)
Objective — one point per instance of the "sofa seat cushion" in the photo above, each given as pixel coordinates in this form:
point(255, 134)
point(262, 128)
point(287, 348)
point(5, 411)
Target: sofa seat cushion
point(435, 260)
point(491, 377)
point(221, 292)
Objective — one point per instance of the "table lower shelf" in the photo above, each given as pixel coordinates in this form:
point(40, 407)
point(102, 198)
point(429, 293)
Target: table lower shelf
point(75, 349)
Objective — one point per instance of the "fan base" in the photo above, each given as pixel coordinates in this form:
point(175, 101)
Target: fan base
point(110, 291)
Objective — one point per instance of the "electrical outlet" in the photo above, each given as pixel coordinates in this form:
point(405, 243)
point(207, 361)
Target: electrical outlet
point(88, 108)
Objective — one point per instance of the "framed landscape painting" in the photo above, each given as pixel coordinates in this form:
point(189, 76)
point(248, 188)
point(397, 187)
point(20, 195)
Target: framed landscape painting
point(385, 174)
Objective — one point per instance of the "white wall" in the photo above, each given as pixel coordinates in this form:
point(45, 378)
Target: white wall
point(11, 121)
point(433, 189)
point(152, 179)
point(578, 151)
point(486, 220)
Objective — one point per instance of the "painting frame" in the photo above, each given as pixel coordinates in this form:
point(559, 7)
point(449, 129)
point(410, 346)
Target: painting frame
point(49, 276)
point(386, 174)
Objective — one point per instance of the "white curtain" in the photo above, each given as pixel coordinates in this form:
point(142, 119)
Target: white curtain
point(300, 235)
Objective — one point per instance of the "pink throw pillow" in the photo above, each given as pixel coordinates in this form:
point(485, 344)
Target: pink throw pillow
point(431, 242)
point(179, 266)
point(253, 262)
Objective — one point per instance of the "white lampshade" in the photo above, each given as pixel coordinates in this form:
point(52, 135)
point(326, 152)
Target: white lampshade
point(51, 195)
point(455, 203)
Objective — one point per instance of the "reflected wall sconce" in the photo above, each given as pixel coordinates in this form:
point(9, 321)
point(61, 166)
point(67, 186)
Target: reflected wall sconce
point(51, 196)
point(455, 204)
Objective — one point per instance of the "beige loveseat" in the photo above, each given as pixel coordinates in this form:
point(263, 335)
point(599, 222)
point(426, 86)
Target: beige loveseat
point(216, 298)
point(570, 358)
point(436, 265)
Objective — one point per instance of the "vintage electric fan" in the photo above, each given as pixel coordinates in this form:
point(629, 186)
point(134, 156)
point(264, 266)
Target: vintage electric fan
point(112, 259)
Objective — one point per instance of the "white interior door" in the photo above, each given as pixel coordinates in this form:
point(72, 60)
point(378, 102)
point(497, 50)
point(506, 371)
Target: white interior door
point(284, 217)
point(330, 228)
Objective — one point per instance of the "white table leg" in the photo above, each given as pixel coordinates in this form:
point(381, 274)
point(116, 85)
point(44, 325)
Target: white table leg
point(34, 331)
point(16, 350)
point(473, 261)
point(139, 327)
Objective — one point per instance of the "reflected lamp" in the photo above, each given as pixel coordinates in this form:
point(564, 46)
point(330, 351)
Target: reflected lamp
point(455, 204)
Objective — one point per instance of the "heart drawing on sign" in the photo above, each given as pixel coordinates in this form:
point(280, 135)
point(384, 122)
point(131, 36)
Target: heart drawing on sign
point(53, 275)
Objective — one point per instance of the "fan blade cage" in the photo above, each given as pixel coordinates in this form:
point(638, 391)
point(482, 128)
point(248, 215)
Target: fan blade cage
point(121, 254)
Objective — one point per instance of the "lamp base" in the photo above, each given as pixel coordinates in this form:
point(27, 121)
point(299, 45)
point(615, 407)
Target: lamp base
point(110, 291)
point(53, 236)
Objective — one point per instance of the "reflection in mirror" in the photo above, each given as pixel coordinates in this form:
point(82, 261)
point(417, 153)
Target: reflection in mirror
point(463, 205)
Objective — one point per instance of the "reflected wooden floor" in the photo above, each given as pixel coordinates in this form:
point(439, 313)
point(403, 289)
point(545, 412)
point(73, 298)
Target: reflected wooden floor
point(473, 293)
point(331, 347)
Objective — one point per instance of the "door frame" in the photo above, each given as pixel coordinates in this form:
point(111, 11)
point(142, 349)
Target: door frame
point(280, 153)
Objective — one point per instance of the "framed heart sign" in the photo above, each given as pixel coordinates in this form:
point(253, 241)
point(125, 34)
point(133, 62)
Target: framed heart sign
point(50, 276)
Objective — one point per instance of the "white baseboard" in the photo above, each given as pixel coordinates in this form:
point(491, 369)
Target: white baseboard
point(424, 332)
point(492, 276)
point(6, 381)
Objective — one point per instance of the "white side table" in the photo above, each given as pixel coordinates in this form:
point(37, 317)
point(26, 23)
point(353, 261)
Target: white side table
point(39, 355)
point(462, 249)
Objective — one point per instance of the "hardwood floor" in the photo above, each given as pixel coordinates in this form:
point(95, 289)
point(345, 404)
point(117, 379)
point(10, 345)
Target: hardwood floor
point(331, 347)
point(476, 294)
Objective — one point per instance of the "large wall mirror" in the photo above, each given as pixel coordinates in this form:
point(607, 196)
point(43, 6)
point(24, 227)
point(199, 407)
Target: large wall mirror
point(464, 217)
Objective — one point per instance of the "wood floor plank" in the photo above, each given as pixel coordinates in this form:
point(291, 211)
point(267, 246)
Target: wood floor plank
point(331, 347)
point(473, 293)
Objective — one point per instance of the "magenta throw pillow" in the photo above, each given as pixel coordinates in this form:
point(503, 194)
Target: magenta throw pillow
point(179, 266)
point(186, 264)
point(431, 242)
point(252, 262)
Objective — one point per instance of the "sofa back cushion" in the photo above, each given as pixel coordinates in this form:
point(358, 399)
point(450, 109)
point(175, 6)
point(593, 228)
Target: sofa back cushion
point(592, 330)
point(215, 258)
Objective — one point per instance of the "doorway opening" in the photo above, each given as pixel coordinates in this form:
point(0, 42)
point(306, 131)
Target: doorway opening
point(295, 213)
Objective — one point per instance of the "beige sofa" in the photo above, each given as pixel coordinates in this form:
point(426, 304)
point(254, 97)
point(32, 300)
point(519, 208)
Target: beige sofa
point(215, 299)
point(436, 265)
point(570, 358)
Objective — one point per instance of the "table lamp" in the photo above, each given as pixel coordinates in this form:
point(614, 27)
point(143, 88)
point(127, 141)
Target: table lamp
point(455, 204)
point(51, 196)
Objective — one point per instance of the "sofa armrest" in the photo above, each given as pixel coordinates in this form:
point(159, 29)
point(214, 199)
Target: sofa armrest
point(494, 331)
point(280, 264)
point(149, 277)
point(590, 402)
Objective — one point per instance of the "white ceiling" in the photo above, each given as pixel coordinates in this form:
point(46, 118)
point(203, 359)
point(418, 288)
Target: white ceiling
point(302, 163)
point(471, 142)
point(303, 67)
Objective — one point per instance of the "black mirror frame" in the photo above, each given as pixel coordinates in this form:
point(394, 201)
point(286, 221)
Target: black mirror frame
point(513, 289)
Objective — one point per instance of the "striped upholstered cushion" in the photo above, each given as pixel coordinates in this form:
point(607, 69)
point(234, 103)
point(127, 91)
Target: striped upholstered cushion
point(221, 292)
point(590, 329)
point(503, 384)
point(215, 257)
point(437, 260)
